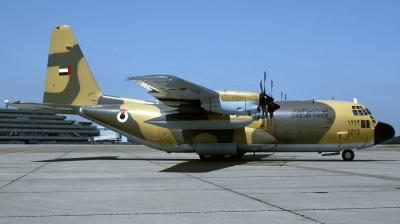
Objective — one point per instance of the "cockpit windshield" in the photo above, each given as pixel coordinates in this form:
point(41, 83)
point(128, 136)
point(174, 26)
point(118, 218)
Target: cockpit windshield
point(360, 111)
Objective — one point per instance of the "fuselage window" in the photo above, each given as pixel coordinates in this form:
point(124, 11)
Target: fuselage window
point(367, 123)
point(362, 123)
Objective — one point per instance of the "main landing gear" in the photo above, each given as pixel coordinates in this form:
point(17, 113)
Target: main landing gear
point(228, 158)
point(348, 155)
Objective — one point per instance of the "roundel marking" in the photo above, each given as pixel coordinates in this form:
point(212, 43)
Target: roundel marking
point(122, 116)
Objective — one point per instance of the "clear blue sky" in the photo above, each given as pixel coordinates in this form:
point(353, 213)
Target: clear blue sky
point(311, 49)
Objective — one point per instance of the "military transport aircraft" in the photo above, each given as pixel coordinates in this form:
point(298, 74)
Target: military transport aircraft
point(217, 125)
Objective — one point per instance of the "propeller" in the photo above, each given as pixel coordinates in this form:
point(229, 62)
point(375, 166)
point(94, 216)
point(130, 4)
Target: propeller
point(267, 101)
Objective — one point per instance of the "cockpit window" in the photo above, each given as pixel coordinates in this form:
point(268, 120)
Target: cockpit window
point(360, 111)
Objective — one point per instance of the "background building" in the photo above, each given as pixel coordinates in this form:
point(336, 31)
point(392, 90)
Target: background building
point(29, 127)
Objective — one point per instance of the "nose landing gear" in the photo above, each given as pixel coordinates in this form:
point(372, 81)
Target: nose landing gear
point(348, 155)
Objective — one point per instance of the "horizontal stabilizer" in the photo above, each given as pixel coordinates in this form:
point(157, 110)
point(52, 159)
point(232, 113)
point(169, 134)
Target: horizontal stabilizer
point(56, 108)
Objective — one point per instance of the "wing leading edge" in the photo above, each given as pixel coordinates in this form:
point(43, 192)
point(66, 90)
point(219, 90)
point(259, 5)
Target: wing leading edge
point(173, 91)
point(176, 92)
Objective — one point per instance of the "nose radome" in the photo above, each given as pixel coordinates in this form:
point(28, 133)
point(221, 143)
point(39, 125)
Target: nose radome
point(383, 132)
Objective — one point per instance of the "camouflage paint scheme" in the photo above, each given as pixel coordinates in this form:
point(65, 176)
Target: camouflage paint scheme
point(180, 124)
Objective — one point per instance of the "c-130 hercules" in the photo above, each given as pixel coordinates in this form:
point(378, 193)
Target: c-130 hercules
point(217, 125)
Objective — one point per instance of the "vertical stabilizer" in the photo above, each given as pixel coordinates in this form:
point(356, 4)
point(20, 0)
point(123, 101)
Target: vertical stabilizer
point(68, 79)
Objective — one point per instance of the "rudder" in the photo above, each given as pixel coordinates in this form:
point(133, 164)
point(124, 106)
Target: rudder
point(69, 80)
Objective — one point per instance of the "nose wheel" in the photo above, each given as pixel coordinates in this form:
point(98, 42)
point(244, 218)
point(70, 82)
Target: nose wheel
point(348, 155)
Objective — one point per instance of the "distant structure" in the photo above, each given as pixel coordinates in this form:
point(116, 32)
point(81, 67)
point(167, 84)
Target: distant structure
point(6, 102)
point(107, 135)
point(29, 127)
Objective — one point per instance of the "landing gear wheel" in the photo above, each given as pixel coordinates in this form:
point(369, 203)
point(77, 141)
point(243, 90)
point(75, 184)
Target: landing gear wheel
point(348, 155)
point(236, 157)
point(228, 158)
point(209, 158)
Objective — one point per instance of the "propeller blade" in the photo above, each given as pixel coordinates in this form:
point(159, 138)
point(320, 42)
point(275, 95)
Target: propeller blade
point(264, 109)
point(272, 84)
point(265, 78)
point(266, 102)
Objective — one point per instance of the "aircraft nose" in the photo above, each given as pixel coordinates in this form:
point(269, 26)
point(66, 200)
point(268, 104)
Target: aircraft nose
point(383, 132)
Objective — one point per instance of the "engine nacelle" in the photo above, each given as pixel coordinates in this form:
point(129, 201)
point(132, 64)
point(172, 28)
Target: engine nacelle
point(232, 103)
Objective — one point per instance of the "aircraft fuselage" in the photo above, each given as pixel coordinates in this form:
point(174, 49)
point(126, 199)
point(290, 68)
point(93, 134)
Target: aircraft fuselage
point(298, 126)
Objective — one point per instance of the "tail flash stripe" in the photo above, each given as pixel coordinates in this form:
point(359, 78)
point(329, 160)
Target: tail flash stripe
point(65, 71)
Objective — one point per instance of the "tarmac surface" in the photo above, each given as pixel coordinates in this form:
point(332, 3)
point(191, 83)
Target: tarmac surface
point(136, 184)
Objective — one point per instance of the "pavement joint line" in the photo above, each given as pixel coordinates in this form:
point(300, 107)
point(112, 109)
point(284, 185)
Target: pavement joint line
point(176, 189)
point(93, 179)
point(92, 191)
point(143, 213)
point(188, 212)
point(348, 173)
point(34, 170)
point(235, 192)
point(162, 178)
point(6, 154)
point(352, 208)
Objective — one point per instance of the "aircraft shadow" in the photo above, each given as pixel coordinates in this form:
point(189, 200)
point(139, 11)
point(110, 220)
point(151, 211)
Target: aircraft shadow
point(108, 158)
point(187, 166)
point(198, 166)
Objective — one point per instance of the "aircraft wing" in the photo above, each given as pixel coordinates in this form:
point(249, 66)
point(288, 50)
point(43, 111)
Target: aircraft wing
point(173, 91)
point(62, 109)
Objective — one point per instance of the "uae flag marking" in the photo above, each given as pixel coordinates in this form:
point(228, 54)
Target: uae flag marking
point(65, 71)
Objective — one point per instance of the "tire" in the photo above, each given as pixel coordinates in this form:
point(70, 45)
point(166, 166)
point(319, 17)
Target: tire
point(231, 158)
point(348, 155)
point(209, 158)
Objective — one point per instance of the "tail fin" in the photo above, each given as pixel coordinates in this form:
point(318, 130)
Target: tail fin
point(69, 80)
